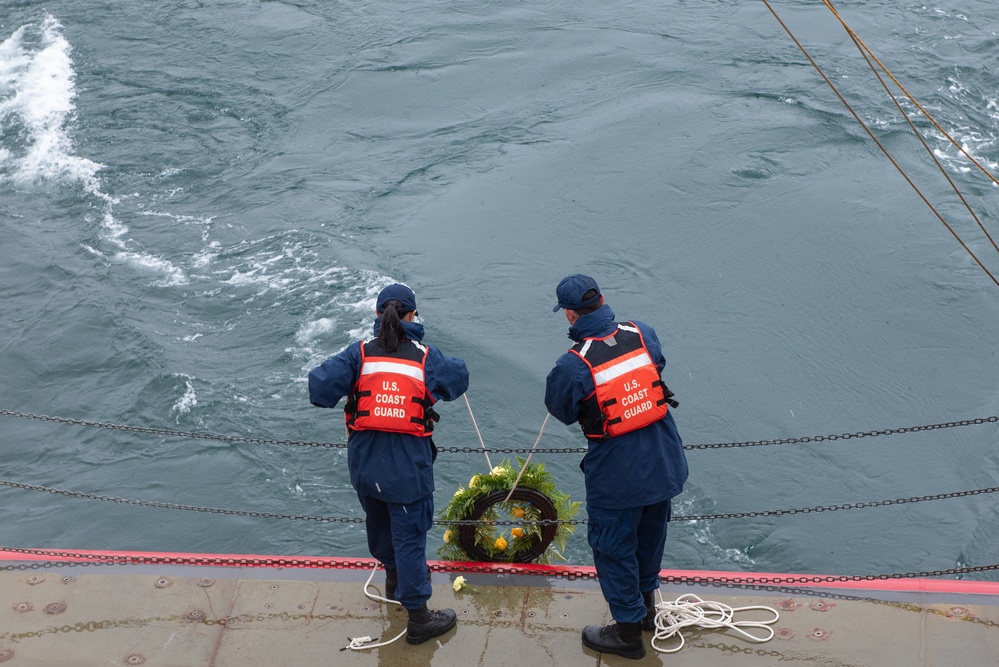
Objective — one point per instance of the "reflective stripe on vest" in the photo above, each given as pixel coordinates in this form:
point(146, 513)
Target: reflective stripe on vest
point(628, 394)
point(390, 393)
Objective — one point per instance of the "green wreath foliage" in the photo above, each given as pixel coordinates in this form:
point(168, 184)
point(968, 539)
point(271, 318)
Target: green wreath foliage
point(509, 541)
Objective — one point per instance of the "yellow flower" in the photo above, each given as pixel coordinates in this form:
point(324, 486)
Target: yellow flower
point(458, 492)
point(472, 482)
point(459, 583)
point(448, 535)
point(498, 471)
point(516, 532)
point(518, 512)
point(500, 543)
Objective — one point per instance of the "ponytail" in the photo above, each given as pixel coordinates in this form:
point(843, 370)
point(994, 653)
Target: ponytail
point(390, 332)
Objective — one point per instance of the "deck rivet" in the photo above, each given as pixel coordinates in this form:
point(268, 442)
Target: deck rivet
point(163, 582)
point(35, 579)
point(6, 654)
point(22, 607)
point(205, 582)
point(784, 633)
point(135, 659)
point(67, 579)
point(55, 608)
point(195, 615)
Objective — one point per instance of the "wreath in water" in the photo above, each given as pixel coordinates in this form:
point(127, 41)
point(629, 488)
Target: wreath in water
point(508, 530)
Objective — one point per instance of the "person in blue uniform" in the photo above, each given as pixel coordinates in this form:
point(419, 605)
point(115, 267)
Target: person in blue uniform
point(391, 383)
point(610, 383)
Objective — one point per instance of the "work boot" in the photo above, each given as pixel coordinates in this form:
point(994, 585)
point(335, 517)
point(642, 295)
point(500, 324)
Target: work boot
point(623, 639)
point(649, 622)
point(392, 582)
point(426, 624)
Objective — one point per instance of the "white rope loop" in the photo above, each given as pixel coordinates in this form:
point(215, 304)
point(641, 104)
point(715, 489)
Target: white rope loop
point(690, 611)
point(364, 643)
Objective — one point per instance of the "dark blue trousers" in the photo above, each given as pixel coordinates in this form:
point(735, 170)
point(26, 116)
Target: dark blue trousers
point(397, 537)
point(628, 549)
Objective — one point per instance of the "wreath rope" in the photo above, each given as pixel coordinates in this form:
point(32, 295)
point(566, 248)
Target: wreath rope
point(532, 514)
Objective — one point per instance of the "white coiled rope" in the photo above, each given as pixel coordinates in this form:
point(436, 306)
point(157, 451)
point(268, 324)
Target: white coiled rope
point(690, 611)
point(363, 643)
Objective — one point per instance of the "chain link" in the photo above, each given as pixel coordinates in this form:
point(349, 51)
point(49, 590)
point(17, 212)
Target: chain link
point(746, 580)
point(847, 436)
point(498, 522)
point(779, 581)
point(833, 508)
point(501, 450)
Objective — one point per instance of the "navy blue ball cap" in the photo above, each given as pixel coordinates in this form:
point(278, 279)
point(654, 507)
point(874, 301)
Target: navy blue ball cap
point(570, 292)
point(397, 292)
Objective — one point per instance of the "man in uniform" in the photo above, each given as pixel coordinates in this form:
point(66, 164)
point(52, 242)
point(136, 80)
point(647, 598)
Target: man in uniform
point(610, 383)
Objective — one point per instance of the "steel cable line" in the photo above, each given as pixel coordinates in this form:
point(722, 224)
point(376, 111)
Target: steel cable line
point(877, 142)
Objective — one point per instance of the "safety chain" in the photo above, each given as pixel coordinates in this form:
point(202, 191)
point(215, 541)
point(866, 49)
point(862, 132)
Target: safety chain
point(167, 432)
point(833, 508)
point(498, 450)
point(847, 436)
point(745, 580)
point(176, 506)
point(498, 522)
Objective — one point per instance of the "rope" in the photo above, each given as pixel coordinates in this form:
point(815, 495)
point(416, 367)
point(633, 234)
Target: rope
point(364, 643)
point(860, 43)
point(481, 441)
point(868, 55)
point(690, 611)
point(878, 143)
point(524, 467)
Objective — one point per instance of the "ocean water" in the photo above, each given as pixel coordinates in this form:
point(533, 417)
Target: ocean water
point(199, 202)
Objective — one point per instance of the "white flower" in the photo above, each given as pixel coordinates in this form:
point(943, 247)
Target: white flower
point(498, 471)
point(459, 583)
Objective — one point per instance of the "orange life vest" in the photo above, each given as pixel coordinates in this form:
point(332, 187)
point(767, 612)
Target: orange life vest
point(629, 394)
point(390, 393)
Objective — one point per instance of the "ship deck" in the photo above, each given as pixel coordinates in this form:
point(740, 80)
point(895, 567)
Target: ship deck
point(245, 611)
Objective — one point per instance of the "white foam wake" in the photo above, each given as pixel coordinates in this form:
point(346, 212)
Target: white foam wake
point(37, 92)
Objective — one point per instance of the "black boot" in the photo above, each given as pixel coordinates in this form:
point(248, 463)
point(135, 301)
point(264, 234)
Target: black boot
point(649, 623)
point(623, 639)
point(426, 623)
point(392, 582)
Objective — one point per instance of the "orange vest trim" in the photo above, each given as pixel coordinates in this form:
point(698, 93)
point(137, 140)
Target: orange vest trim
point(629, 394)
point(390, 393)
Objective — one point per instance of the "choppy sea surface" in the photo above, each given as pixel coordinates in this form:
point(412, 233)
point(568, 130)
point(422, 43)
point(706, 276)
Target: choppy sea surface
point(199, 201)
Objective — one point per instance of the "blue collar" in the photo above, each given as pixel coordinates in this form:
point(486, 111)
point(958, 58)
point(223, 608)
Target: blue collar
point(596, 324)
point(414, 330)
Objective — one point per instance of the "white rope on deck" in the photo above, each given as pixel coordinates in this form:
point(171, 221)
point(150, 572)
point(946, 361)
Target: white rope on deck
point(690, 611)
point(364, 643)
